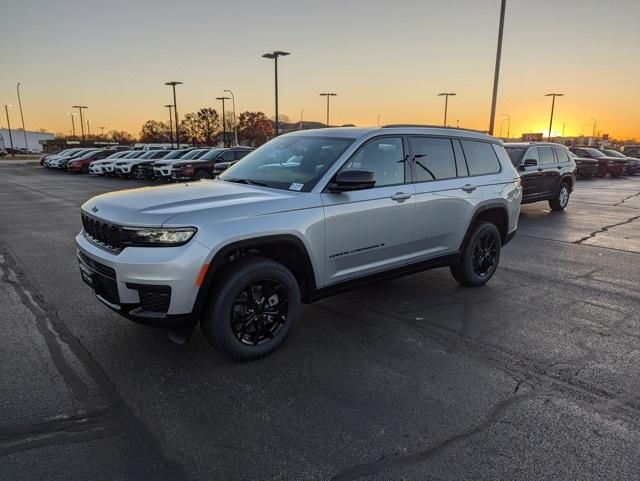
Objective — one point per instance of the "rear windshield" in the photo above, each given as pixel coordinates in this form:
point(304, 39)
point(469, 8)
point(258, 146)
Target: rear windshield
point(516, 154)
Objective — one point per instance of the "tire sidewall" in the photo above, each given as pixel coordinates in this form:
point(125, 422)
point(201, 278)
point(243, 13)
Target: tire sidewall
point(481, 230)
point(216, 323)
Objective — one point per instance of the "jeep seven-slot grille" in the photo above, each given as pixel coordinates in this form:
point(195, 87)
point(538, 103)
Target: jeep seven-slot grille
point(102, 232)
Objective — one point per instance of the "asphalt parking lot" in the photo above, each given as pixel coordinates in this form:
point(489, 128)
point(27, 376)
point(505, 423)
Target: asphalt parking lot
point(534, 376)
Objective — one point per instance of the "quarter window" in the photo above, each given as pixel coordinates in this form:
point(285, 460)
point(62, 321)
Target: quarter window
point(481, 158)
point(433, 159)
point(385, 157)
point(561, 154)
point(546, 155)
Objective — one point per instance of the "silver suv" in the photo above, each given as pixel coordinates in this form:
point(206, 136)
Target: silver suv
point(306, 215)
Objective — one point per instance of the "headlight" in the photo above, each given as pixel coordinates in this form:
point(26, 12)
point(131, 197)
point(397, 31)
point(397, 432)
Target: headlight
point(186, 166)
point(158, 237)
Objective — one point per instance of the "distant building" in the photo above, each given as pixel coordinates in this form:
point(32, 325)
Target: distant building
point(35, 140)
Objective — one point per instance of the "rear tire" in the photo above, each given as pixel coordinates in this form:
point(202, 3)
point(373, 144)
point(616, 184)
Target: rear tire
point(561, 200)
point(201, 174)
point(253, 305)
point(85, 169)
point(602, 171)
point(480, 256)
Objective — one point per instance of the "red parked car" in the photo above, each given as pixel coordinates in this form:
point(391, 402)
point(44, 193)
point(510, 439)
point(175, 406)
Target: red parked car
point(81, 164)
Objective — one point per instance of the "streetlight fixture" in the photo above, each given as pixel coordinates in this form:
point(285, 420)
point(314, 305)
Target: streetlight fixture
point(224, 121)
point(173, 84)
point(446, 96)
point(595, 124)
point(6, 111)
point(73, 123)
point(328, 95)
point(508, 120)
point(24, 131)
point(80, 107)
point(553, 103)
point(235, 125)
point(102, 131)
point(170, 106)
point(274, 55)
point(496, 74)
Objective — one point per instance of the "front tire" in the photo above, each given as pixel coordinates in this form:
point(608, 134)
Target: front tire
point(602, 170)
point(480, 256)
point(201, 174)
point(561, 200)
point(253, 306)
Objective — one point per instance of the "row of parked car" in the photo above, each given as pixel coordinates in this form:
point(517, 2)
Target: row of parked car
point(179, 165)
point(595, 162)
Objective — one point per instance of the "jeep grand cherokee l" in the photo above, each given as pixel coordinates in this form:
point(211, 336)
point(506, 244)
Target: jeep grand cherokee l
point(612, 165)
point(547, 172)
point(204, 166)
point(306, 215)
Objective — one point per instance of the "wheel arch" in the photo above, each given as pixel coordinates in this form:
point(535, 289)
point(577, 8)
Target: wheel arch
point(494, 212)
point(286, 249)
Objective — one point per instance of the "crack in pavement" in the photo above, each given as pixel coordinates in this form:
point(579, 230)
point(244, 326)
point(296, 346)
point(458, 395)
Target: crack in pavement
point(605, 229)
point(56, 333)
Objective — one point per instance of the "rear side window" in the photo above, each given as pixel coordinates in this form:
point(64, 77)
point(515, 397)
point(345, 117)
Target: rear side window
point(562, 155)
point(546, 155)
point(481, 158)
point(227, 156)
point(434, 159)
point(240, 153)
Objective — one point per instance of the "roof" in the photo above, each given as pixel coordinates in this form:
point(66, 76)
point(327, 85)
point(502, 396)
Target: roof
point(529, 144)
point(405, 129)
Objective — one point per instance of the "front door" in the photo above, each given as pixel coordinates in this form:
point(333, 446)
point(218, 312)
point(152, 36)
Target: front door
point(369, 230)
point(550, 171)
point(531, 175)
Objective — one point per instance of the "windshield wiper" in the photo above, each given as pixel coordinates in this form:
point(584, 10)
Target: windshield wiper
point(247, 181)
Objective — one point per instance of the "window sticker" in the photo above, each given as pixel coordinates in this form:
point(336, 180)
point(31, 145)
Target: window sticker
point(296, 186)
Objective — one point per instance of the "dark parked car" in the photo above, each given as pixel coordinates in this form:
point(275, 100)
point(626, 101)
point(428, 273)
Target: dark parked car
point(606, 164)
point(220, 167)
point(81, 164)
point(634, 163)
point(586, 167)
point(203, 167)
point(631, 150)
point(546, 170)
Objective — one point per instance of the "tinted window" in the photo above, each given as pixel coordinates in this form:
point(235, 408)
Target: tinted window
point(516, 154)
point(546, 155)
point(481, 158)
point(240, 153)
point(434, 159)
point(211, 155)
point(532, 153)
point(461, 164)
point(385, 157)
point(562, 155)
point(227, 156)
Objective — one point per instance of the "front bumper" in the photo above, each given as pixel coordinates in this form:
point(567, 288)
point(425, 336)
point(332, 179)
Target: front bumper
point(95, 170)
point(125, 281)
point(122, 169)
point(162, 172)
point(587, 170)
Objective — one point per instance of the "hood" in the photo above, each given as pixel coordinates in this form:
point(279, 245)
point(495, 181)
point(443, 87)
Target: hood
point(184, 203)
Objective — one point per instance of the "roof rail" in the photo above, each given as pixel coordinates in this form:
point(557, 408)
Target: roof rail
point(391, 126)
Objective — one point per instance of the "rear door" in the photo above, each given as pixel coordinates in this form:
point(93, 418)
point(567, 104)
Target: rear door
point(445, 196)
point(369, 230)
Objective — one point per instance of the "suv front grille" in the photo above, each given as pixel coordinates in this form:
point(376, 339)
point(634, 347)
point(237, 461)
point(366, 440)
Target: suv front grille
point(102, 233)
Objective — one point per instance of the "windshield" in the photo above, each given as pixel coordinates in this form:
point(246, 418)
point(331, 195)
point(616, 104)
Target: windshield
point(516, 153)
point(595, 153)
point(80, 153)
point(117, 155)
point(615, 153)
point(212, 154)
point(194, 154)
point(174, 154)
point(292, 162)
point(148, 154)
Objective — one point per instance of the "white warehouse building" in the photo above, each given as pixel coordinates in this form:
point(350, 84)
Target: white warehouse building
point(17, 136)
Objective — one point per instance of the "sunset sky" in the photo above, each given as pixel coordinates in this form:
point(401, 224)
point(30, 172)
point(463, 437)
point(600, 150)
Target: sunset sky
point(380, 57)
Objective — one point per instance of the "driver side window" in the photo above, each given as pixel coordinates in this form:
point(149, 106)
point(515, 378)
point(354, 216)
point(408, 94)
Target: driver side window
point(385, 157)
point(532, 153)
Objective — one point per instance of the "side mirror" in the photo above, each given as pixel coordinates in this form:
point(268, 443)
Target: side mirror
point(530, 162)
point(352, 179)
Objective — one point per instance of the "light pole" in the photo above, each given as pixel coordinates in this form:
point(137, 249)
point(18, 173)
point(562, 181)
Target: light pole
point(508, 119)
point(173, 84)
point(553, 103)
point(496, 74)
point(6, 111)
point(224, 121)
point(301, 114)
point(274, 55)
point(446, 96)
point(80, 107)
point(378, 120)
point(328, 95)
point(88, 129)
point(595, 124)
point(582, 131)
point(170, 106)
point(102, 131)
point(73, 123)
point(24, 131)
point(235, 125)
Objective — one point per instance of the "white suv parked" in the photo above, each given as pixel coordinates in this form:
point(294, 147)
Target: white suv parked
point(306, 215)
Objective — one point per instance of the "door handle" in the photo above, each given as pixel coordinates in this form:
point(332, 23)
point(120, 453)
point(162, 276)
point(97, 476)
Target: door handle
point(400, 196)
point(539, 169)
point(469, 188)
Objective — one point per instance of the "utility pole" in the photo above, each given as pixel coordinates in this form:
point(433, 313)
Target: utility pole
point(24, 130)
point(73, 123)
point(446, 96)
point(553, 103)
point(496, 74)
point(175, 110)
point(80, 107)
